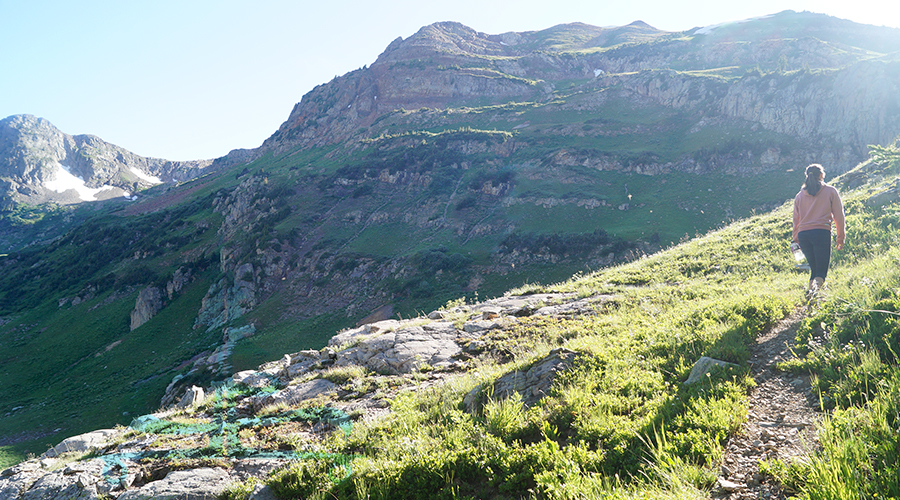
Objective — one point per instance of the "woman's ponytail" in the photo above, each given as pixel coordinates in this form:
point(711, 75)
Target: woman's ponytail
point(815, 176)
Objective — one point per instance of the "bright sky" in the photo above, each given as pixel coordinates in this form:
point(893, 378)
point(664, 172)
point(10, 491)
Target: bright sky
point(194, 79)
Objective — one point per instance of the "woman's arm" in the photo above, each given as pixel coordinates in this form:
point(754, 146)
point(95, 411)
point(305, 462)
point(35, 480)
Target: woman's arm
point(837, 213)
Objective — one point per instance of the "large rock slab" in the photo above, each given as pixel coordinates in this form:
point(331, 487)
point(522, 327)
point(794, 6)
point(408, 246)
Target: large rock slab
point(405, 350)
point(83, 442)
point(298, 393)
point(194, 484)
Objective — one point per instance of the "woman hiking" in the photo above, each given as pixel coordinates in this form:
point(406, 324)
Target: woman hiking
point(815, 207)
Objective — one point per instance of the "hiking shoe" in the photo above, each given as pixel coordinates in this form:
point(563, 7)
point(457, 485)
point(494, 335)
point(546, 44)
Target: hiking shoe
point(812, 290)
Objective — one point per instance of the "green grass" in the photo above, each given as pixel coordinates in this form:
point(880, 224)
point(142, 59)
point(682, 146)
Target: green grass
point(77, 347)
point(10, 455)
point(622, 424)
point(623, 412)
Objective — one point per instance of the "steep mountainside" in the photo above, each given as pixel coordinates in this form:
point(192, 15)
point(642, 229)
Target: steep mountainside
point(457, 165)
point(703, 371)
point(827, 83)
point(39, 164)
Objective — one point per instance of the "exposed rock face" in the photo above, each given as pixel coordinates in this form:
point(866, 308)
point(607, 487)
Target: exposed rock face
point(196, 484)
point(225, 302)
point(820, 85)
point(152, 299)
point(60, 485)
point(405, 350)
point(179, 279)
point(33, 153)
point(531, 385)
point(148, 303)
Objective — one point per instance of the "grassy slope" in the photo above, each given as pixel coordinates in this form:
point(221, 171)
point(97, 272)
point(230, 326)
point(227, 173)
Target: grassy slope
point(67, 367)
point(136, 365)
point(622, 425)
point(277, 334)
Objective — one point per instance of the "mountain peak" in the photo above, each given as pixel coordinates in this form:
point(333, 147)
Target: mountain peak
point(641, 24)
point(43, 165)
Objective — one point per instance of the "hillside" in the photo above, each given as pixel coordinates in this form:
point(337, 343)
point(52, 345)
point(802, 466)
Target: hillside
point(583, 389)
point(457, 166)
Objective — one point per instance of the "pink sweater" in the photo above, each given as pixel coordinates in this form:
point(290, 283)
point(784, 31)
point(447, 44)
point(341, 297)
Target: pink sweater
point(817, 212)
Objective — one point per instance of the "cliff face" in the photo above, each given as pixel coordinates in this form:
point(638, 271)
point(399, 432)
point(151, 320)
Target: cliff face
point(39, 164)
point(842, 110)
point(806, 76)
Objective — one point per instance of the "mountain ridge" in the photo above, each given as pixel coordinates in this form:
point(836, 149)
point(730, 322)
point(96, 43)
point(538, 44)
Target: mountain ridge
point(35, 153)
point(494, 70)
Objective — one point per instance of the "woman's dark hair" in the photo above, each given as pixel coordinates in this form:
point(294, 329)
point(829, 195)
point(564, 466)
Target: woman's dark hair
point(814, 179)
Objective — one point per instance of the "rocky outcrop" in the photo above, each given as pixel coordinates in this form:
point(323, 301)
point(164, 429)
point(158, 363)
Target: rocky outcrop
point(528, 385)
point(148, 303)
point(226, 302)
point(406, 350)
point(152, 299)
point(197, 484)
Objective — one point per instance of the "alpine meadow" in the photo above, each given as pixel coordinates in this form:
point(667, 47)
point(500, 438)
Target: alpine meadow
point(541, 265)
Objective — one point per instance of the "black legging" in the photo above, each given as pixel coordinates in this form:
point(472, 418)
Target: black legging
point(816, 246)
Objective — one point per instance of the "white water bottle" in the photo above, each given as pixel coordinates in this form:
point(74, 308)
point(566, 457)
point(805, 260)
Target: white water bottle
point(798, 254)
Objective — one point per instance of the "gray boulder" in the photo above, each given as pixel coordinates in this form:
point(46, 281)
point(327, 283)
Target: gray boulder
point(703, 366)
point(531, 384)
point(298, 393)
point(83, 442)
point(194, 484)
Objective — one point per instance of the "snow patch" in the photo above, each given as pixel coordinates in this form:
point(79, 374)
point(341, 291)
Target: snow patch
point(66, 180)
point(146, 177)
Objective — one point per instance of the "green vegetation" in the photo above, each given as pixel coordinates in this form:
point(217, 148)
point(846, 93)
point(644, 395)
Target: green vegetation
point(431, 206)
point(622, 424)
point(324, 217)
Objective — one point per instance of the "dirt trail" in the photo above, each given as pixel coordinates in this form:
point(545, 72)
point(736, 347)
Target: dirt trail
point(780, 424)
